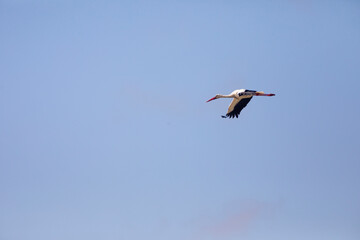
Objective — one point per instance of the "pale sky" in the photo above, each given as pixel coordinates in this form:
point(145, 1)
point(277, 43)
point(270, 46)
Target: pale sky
point(105, 133)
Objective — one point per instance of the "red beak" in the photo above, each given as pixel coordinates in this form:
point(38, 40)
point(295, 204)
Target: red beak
point(211, 99)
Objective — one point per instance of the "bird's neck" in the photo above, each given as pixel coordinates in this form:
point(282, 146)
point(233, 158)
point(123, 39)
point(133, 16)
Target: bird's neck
point(226, 96)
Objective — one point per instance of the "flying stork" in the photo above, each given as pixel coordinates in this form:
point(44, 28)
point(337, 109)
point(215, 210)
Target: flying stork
point(241, 98)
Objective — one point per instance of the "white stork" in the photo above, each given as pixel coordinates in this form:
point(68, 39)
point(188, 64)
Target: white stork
point(241, 98)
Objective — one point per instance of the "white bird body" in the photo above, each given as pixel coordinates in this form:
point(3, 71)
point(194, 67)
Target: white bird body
point(241, 98)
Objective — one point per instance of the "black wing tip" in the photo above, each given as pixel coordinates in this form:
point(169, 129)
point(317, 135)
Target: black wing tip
point(231, 115)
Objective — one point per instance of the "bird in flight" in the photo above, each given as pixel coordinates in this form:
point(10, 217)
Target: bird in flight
point(241, 98)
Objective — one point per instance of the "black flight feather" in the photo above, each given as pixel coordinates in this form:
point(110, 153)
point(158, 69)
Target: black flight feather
point(238, 107)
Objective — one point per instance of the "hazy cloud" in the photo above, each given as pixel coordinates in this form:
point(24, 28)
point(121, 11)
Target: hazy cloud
point(234, 219)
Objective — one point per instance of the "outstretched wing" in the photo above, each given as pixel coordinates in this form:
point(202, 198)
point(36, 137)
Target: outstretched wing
point(236, 106)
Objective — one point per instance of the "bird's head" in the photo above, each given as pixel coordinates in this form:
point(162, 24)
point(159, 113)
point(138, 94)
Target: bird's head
point(216, 97)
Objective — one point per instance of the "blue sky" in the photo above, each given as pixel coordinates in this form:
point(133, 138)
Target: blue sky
point(105, 133)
